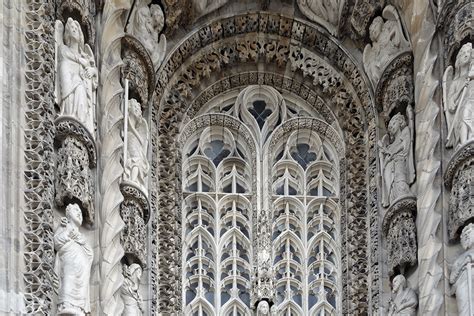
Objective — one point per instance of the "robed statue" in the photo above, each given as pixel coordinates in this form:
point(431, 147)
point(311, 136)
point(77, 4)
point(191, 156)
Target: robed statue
point(462, 273)
point(397, 158)
point(73, 265)
point(77, 77)
point(458, 98)
point(404, 300)
point(131, 291)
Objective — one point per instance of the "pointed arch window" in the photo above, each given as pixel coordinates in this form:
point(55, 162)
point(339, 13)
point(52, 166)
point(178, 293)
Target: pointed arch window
point(251, 156)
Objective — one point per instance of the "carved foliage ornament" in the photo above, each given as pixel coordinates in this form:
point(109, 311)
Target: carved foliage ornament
point(325, 12)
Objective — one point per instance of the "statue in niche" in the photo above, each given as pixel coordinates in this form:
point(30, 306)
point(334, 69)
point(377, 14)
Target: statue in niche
point(388, 40)
point(73, 265)
point(462, 273)
point(404, 301)
point(397, 158)
point(136, 164)
point(77, 78)
point(130, 291)
point(146, 24)
point(458, 97)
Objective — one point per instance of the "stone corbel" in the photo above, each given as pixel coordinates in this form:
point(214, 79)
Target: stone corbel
point(135, 212)
point(76, 158)
point(459, 178)
point(81, 10)
point(399, 230)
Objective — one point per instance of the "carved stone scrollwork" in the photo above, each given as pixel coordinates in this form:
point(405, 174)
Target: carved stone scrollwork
point(399, 230)
point(459, 177)
point(135, 212)
point(76, 157)
point(138, 69)
point(81, 10)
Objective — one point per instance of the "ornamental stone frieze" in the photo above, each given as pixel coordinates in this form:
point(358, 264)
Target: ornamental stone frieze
point(399, 232)
point(135, 212)
point(75, 162)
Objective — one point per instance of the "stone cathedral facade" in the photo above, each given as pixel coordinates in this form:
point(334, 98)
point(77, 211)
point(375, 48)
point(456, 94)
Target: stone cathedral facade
point(222, 157)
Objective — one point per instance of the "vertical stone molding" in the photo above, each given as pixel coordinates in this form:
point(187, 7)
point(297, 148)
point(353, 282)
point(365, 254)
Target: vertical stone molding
point(76, 157)
point(39, 155)
point(110, 126)
point(399, 232)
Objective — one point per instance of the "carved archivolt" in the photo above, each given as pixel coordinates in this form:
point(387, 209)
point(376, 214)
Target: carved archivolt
point(188, 69)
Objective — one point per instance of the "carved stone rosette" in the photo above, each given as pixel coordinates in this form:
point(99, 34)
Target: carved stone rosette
point(399, 231)
point(135, 212)
point(459, 177)
point(76, 157)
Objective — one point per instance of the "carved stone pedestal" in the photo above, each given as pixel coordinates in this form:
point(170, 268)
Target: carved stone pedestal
point(76, 156)
point(135, 213)
point(459, 177)
point(399, 231)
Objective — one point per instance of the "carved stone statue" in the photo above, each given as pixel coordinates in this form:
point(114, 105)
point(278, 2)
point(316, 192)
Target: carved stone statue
point(74, 264)
point(77, 78)
point(397, 158)
point(458, 95)
point(130, 291)
point(404, 301)
point(462, 273)
point(136, 165)
point(203, 7)
point(263, 308)
point(388, 40)
point(146, 24)
point(322, 11)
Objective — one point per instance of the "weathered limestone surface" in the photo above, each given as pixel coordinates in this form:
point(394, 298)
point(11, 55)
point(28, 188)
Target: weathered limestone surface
point(293, 156)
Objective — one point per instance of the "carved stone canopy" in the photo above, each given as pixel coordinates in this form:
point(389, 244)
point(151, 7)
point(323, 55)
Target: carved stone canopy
point(459, 177)
point(135, 212)
point(138, 69)
point(76, 156)
point(399, 230)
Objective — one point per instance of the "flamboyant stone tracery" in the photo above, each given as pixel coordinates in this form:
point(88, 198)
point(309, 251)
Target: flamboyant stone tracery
point(269, 157)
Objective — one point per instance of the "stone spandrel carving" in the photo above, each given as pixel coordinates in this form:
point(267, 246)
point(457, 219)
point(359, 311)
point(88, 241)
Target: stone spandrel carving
point(136, 163)
point(146, 24)
point(388, 40)
point(73, 265)
point(404, 300)
point(458, 98)
point(326, 12)
point(77, 78)
point(133, 303)
point(397, 158)
point(462, 273)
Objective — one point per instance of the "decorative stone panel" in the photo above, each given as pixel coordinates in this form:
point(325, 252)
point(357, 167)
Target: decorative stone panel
point(135, 214)
point(399, 231)
point(459, 177)
point(76, 157)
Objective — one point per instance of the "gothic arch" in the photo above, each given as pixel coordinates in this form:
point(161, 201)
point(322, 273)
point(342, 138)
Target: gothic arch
point(294, 57)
